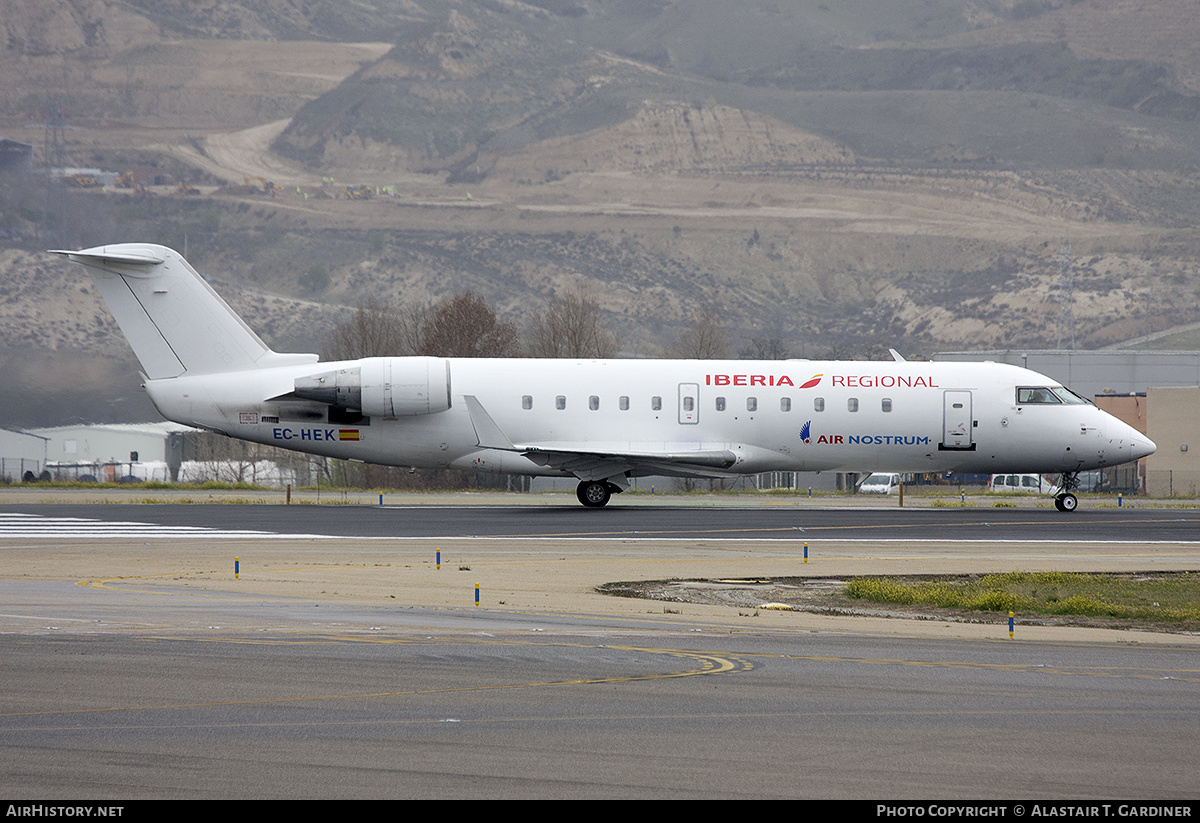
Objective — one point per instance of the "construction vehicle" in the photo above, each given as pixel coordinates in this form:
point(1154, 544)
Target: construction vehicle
point(250, 180)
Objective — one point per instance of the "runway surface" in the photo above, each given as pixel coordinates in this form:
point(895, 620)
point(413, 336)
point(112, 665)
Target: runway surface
point(136, 665)
point(662, 522)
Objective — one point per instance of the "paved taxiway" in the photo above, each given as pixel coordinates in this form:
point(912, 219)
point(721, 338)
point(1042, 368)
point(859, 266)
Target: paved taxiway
point(135, 665)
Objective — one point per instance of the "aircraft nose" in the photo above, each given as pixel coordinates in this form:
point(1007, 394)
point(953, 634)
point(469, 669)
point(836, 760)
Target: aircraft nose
point(1141, 446)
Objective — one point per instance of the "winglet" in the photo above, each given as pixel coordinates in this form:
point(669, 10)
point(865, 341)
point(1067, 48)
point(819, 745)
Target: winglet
point(489, 434)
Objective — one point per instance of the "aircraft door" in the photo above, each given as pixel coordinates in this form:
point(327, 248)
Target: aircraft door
point(956, 420)
point(689, 403)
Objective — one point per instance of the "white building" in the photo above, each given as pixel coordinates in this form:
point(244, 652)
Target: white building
point(108, 452)
point(21, 455)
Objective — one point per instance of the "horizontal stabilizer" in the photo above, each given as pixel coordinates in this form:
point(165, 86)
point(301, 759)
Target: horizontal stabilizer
point(100, 256)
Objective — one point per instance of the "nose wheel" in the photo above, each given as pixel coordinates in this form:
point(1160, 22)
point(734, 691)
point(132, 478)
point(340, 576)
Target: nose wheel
point(593, 493)
point(1066, 502)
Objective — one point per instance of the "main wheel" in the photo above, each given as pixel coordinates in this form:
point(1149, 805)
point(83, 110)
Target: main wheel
point(1066, 502)
point(593, 493)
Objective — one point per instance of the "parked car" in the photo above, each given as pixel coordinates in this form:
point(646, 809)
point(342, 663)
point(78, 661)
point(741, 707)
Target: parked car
point(881, 483)
point(1025, 483)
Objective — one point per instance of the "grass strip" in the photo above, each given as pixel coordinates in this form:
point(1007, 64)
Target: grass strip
point(1168, 598)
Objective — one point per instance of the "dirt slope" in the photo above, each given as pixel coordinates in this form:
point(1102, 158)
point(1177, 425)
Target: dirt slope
point(667, 157)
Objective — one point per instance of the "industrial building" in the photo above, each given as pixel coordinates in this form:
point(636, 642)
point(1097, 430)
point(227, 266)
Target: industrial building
point(166, 452)
point(1089, 373)
point(22, 456)
point(109, 452)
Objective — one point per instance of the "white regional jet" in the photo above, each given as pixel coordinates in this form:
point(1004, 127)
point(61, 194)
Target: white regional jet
point(601, 421)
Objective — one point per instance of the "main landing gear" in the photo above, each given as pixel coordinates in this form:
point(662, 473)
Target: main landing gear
point(595, 494)
point(1065, 500)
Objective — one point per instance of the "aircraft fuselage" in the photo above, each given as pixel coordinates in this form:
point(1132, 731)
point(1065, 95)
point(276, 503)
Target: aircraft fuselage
point(771, 416)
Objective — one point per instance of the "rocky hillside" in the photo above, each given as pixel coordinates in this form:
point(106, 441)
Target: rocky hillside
point(467, 85)
point(838, 177)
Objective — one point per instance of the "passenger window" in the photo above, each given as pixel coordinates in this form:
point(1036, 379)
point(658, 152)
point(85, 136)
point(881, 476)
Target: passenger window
point(887, 404)
point(594, 403)
point(560, 402)
point(819, 404)
point(624, 403)
point(656, 403)
point(720, 404)
point(527, 402)
point(785, 404)
point(852, 404)
point(751, 404)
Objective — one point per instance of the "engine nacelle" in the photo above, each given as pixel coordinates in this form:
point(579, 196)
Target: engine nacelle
point(383, 386)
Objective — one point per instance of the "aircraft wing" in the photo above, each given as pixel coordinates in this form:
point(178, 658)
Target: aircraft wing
point(596, 461)
point(589, 463)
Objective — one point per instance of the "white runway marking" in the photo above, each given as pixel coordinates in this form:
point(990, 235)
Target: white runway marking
point(33, 526)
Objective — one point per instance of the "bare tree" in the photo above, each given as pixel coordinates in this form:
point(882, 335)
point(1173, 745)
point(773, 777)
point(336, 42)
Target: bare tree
point(765, 348)
point(466, 326)
point(705, 339)
point(873, 351)
point(571, 326)
point(376, 330)
point(460, 326)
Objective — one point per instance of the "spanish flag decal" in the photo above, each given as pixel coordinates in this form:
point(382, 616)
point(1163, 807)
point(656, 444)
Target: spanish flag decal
point(347, 434)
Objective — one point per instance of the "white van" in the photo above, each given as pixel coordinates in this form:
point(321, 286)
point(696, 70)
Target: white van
point(881, 483)
point(1022, 483)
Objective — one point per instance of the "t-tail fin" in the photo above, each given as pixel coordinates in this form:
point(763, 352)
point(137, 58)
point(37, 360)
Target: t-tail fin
point(174, 321)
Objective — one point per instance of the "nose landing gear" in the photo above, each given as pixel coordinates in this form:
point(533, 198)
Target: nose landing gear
point(1065, 500)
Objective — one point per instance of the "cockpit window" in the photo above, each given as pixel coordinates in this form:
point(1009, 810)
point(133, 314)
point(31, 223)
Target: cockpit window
point(1069, 396)
point(1029, 395)
point(1045, 395)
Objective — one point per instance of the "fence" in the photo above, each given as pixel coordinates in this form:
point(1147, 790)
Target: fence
point(1172, 483)
point(13, 469)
